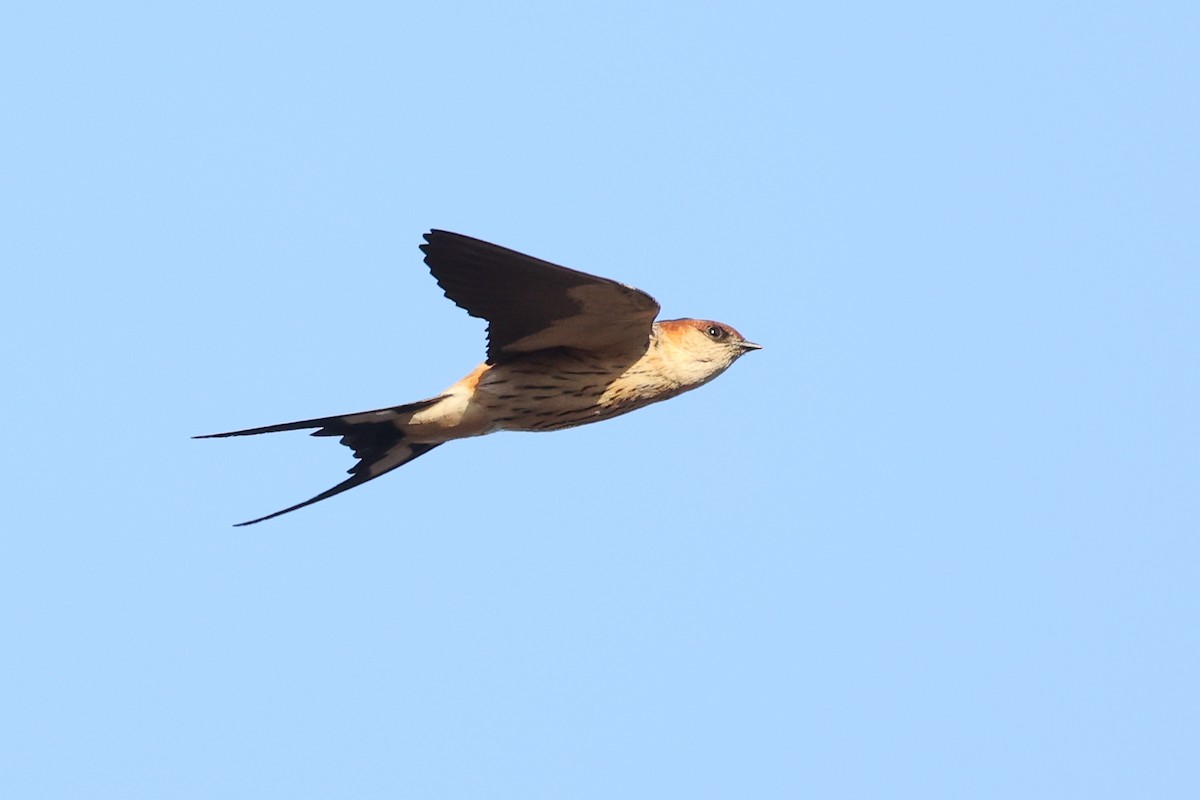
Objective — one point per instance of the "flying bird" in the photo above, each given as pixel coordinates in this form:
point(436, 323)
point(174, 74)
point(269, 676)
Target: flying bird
point(565, 348)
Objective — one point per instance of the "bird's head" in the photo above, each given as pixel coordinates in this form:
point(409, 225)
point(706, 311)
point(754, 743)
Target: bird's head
point(700, 349)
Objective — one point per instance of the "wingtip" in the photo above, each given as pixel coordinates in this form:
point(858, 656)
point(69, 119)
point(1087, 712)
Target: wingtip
point(440, 238)
point(428, 237)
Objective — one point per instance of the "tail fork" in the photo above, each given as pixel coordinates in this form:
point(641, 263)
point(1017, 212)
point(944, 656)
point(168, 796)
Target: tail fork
point(376, 437)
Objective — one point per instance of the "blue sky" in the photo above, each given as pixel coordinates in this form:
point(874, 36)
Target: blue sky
point(937, 539)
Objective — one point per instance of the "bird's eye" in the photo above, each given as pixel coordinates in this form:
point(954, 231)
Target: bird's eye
point(716, 332)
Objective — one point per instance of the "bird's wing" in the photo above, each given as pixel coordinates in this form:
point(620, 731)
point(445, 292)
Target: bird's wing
point(531, 304)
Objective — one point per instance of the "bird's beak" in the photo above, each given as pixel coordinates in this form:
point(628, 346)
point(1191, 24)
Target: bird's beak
point(748, 346)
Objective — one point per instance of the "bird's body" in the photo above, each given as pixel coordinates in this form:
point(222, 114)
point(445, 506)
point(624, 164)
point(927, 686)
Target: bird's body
point(565, 349)
point(550, 390)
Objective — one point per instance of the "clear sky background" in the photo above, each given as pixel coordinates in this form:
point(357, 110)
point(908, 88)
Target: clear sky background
point(939, 539)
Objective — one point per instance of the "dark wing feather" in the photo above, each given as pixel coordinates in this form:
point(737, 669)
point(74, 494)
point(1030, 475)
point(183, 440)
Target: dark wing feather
point(532, 304)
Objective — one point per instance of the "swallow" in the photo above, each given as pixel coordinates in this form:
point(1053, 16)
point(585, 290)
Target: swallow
point(564, 348)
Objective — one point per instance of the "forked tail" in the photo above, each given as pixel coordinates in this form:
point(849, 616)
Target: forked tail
point(376, 437)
